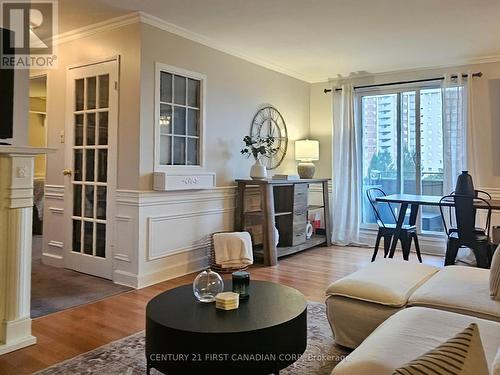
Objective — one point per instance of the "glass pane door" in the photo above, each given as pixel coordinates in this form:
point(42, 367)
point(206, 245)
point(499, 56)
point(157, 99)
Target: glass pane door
point(90, 165)
point(402, 148)
point(409, 140)
point(431, 155)
point(379, 118)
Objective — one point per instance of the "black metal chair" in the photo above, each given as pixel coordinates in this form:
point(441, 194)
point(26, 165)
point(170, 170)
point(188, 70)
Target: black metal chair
point(466, 234)
point(384, 213)
point(478, 194)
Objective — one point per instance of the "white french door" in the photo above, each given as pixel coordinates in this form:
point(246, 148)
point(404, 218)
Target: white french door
point(90, 174)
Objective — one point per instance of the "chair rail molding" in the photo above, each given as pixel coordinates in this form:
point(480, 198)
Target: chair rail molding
point(140, 198)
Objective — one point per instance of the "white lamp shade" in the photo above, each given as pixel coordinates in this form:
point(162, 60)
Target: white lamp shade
point(306, 150)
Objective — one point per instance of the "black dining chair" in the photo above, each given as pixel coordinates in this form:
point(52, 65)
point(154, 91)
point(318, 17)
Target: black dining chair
point(478, 194)
point(386, 220)
point(462, 231)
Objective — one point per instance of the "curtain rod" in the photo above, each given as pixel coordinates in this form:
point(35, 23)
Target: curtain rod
point(478, 74)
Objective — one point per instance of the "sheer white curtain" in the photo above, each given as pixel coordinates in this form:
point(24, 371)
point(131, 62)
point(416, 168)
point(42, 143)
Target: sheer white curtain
point(458, 137)
point(458, 129)
point(346, 200)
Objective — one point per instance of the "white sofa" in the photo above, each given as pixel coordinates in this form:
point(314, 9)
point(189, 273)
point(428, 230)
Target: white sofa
point(392, 312)
point(410, 333)
point(360, 302)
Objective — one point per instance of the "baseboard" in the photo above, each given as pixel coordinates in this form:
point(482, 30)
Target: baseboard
point(173, 271)
point(431, 245)
point(16, 345)
point(52, 260)
point(166, 273)
point(125, 278)
point(17, 334)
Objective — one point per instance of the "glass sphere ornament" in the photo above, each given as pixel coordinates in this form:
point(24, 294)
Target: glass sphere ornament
point(207, 285)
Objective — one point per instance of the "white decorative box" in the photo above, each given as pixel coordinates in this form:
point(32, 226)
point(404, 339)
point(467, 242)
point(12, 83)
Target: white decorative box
point(164, 181)
point(227, 301)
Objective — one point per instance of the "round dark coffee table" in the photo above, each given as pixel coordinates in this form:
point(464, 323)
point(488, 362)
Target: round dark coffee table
point(264, 335)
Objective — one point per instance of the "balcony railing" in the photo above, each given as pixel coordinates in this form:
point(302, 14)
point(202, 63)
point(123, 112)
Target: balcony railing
point(432, 184)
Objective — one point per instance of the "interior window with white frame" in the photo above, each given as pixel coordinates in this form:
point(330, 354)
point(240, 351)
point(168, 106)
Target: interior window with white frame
point(179, 117)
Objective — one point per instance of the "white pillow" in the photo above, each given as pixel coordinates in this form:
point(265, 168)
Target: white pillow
point(495, 275)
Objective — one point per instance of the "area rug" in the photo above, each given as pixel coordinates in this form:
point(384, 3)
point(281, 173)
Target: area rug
point(126, 356)
point(55, 289)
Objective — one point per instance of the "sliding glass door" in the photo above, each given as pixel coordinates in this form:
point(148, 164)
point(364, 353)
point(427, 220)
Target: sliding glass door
point(402, 147)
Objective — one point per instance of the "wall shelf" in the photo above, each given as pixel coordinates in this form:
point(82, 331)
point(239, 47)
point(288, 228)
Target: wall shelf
point(315, 207)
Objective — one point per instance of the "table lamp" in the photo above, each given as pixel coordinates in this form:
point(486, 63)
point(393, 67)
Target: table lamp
point(306, 151)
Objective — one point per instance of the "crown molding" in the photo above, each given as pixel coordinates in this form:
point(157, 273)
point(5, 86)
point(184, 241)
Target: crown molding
point(96, 28)
point(145, 18)
point(198, 38)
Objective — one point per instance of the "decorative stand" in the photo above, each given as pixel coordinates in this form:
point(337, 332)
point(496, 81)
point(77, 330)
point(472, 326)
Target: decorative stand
point(284, 204)
point(16, 211)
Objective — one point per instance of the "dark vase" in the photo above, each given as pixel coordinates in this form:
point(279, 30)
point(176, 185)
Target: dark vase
point(465, 186)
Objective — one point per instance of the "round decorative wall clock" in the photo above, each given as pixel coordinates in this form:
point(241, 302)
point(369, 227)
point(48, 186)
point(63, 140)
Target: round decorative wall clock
point(268, 122)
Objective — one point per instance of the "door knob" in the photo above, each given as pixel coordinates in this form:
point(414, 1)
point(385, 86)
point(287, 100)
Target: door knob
point(67, 172)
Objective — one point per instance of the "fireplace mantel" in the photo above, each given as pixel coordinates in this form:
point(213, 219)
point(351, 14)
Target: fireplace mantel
point(24, 150)
point(16, 210)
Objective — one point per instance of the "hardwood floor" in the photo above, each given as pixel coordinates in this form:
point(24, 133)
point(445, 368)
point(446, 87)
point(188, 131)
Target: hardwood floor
point(67, 333)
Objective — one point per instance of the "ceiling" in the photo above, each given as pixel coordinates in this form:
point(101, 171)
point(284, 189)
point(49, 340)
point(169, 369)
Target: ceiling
point(318, 39)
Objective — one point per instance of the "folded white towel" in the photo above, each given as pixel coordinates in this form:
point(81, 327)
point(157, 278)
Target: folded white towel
point(233, 249)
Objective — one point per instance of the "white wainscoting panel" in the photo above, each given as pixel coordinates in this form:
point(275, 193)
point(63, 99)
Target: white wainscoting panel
point(167, 234)
point(53, 226)
point(161, 235)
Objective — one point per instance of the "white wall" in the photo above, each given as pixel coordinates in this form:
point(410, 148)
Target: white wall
point(321, 127)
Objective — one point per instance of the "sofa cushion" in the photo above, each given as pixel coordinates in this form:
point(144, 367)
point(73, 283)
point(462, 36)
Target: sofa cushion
point(386, 282)
point(459, 289)
point(353, 320)
point(495, 275)
point(410, 333)
point(462, 354)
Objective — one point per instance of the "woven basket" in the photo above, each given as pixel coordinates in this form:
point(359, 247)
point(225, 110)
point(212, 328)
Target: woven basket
point(217, 267)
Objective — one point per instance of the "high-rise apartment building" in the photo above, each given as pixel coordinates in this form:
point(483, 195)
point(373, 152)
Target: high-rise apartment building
point(380, 129)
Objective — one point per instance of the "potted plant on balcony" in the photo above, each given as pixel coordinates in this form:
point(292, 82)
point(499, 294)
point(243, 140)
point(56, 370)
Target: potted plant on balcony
point(258, 148)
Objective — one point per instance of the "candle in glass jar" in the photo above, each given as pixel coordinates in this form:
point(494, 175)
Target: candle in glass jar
point(241, 284)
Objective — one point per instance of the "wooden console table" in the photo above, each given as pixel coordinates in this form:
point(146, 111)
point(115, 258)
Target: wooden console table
point(284, 204)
